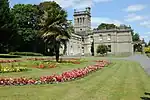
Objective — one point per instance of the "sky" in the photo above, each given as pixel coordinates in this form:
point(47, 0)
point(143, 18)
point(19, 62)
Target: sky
point(129, 12)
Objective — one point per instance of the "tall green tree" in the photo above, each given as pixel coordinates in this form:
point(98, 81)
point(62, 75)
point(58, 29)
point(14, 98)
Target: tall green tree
point(27, 18)
point(136, 37)
point(54, 26)
point(7, 26)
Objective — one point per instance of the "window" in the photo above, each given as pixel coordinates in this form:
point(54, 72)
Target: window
point(80, 29)
point(109, 48)
point(83, 19)
point(82, 39)
point(100, 37)
point(78, 20)
point(109, 37)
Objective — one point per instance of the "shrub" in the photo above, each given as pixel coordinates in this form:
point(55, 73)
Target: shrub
point(26, 53)
point(147, 49)
point(102, 49)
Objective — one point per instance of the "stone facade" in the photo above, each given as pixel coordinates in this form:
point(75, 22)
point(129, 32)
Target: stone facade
point(119, 41)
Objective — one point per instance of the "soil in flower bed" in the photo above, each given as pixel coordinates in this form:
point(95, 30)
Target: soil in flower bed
point(55, 78)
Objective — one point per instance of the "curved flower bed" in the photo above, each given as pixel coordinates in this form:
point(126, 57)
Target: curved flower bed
point(42, 66)
point(65, 76)
point(36, 59)
point(9, 61)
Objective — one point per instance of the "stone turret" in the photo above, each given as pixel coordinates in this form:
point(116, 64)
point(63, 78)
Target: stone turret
point(82, 20)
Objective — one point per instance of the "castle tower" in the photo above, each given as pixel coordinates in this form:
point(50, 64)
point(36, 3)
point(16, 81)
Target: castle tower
point(82, 20)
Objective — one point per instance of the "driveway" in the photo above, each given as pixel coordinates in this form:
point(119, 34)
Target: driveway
point(143, 60)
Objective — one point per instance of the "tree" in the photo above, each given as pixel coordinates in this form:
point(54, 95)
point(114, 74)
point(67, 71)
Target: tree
point(135, 37)
point(106, 26)
point(92, 48)
point(27, 20)
point(54, 26)
point(102, 49)
point(7, 28)
point(149, 43)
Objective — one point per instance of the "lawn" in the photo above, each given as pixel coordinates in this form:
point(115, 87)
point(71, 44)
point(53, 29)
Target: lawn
point(122, 80)
point(148, 54)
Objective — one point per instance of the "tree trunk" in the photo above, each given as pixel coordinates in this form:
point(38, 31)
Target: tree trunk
point(57, 45)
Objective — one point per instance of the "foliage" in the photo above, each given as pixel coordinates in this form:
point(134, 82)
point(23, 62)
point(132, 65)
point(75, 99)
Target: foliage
point(65, 76)
point(102, 49)
point(106, 26)
point(149, 43)
point(147, 49)
point(54, 26)
point(92, 48)
point(26, 53)
point(7, 27)
point(137, 47)
point(27, 20)
point(11, 68)
point(136, 37)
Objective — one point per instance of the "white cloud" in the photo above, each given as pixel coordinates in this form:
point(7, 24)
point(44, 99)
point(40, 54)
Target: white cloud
point(133, 17)
point(145, 24)
point(146, 36)
point(77, 4)
point(98, 20)
point(148, 33)
point(134, 8)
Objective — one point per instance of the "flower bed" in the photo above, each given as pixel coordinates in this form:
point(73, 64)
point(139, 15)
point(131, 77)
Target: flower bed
point(65, 76)
point(9, 61)
point(8, 68)
point(35, 59)
point(42, 66)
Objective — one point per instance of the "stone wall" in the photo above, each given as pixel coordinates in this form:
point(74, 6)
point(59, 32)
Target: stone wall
point(120, 41)
point(74, 46)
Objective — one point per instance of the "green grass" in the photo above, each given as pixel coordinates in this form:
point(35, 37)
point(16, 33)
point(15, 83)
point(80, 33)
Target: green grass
point(123, 80)
point(148, 54)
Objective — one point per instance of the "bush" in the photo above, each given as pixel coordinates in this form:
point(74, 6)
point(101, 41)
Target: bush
point(102, 49)
point(147, 49)
point(9, 56)
point(26, 53)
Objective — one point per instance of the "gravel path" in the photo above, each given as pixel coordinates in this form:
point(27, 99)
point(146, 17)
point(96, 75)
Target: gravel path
point(143, 60)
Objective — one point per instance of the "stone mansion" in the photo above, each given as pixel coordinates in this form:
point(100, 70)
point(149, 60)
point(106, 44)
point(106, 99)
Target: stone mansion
point(119, 41)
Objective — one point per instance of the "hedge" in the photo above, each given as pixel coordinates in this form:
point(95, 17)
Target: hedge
point(26, 53)
point(9, 56)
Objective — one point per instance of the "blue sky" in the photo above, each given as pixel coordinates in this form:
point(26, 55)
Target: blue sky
point(129, 12)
